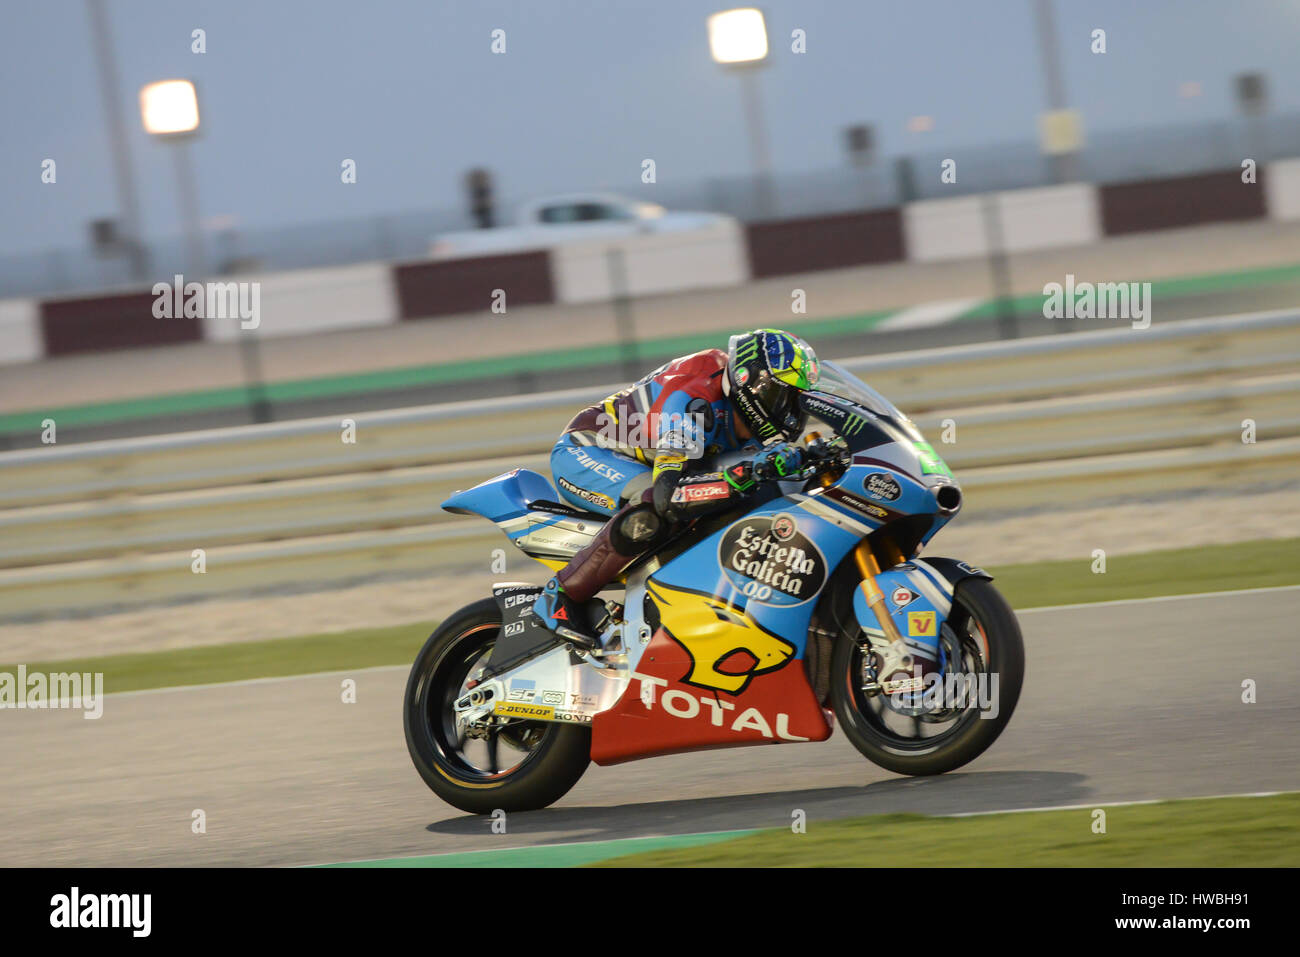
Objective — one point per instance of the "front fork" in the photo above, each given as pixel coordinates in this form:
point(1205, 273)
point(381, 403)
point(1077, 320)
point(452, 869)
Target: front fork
point(892, 657)
point(870, 568)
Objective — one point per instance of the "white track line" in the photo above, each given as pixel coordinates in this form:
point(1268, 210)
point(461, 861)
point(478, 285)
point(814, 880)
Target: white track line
point(927, 314)
point(1157, 598)
point(346, 672)
point(1081, 807)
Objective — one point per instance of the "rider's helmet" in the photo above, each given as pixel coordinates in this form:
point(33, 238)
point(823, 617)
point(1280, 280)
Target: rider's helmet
point(766, 370)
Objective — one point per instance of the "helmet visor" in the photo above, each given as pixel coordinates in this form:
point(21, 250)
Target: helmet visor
point(780, 404)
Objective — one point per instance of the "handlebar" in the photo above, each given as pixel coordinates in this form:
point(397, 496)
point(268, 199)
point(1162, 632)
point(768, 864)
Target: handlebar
point(821, 457)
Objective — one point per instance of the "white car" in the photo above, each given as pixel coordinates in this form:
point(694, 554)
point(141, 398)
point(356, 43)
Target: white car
point(574, 218)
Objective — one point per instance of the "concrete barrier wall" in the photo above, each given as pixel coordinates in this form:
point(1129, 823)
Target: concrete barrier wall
point(450, 286)
point(651, 263)
point(311, 300)
point(1049, 217)
point(1181, 201)
point(1282, 189)
point(103, 323)
point(943, 229)
point(825, 242)
point(939, 229)
point(20, 330)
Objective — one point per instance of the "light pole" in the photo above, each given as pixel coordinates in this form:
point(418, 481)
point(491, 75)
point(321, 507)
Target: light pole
point(169, 110)
point(113, 113)
point(738, 41)
point(1059, 127)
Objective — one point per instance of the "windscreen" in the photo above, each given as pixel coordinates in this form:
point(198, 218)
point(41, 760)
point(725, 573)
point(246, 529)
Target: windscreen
point(838, 381)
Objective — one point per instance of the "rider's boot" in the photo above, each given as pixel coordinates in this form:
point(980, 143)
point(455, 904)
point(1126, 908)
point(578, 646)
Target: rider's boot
point(562, 615)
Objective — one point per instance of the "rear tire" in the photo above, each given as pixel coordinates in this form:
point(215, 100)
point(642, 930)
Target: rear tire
point(554, 755)
point(987, 612)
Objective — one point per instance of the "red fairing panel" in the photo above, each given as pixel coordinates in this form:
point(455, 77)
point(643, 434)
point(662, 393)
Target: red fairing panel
point(659, 713)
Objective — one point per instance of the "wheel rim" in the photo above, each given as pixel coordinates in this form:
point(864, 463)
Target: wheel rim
point(490, 751)
point(910, 730)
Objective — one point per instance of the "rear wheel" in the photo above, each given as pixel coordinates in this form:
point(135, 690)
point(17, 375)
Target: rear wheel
point(930, 734)
point(495, 763)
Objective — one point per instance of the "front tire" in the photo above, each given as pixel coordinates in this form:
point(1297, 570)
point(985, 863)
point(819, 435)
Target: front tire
point(984, 635)
point(466, 767)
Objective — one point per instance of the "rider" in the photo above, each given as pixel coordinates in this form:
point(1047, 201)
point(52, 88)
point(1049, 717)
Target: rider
point(641, 455)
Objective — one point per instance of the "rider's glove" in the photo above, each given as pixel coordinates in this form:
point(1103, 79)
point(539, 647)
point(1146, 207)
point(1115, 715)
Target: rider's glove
point(778, 461)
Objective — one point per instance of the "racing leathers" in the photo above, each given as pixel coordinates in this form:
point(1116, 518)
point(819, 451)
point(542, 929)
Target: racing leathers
point(642, 456)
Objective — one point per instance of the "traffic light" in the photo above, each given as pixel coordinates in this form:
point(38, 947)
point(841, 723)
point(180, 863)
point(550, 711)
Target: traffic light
point(479, 184)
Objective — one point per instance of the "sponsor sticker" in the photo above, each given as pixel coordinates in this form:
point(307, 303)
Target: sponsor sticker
point(600, 468)
point(768, 568)
point(514, 709)
point(701, 492)
point(852, 425)
point(595, 498)
point(882, 487)
point(903, 685)
point(858, 504)
point(931, 462)
point(921, 624)
point(783, 527)
point(902, 596)
point(702, 412)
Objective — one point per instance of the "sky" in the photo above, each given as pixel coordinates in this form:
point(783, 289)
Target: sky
point(587, 89)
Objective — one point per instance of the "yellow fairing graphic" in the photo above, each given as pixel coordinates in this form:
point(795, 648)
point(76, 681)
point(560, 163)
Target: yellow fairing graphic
point(718, 636)
point(555, 564)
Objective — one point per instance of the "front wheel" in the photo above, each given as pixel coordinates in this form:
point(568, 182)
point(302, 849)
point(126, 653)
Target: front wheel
point(495, 763)
point(956, 719)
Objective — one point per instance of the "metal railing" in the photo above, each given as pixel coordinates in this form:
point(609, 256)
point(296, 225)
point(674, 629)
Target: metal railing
point(1038, 421)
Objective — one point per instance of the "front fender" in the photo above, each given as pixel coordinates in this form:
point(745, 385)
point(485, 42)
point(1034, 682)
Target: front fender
point(843, 611)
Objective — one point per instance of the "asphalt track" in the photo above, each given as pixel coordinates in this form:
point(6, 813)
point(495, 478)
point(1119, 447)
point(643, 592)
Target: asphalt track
point(1122, 701)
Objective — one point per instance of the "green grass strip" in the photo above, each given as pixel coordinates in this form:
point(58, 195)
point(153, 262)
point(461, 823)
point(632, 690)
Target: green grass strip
point(1205, 832)
point(241, 660)
point(1179, 571)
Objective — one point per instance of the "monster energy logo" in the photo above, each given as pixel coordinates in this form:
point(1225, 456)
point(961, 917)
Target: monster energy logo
point(747, 350)
point(852, 424)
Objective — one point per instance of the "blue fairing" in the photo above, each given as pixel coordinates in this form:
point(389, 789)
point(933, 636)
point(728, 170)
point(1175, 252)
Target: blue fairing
point(919, 619)
point(502, 498)
point(701, 569)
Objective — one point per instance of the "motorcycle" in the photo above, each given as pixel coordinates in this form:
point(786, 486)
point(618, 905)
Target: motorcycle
point(807, 604)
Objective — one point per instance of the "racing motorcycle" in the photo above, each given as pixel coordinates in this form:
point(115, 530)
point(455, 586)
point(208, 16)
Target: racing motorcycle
point(806, 604)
